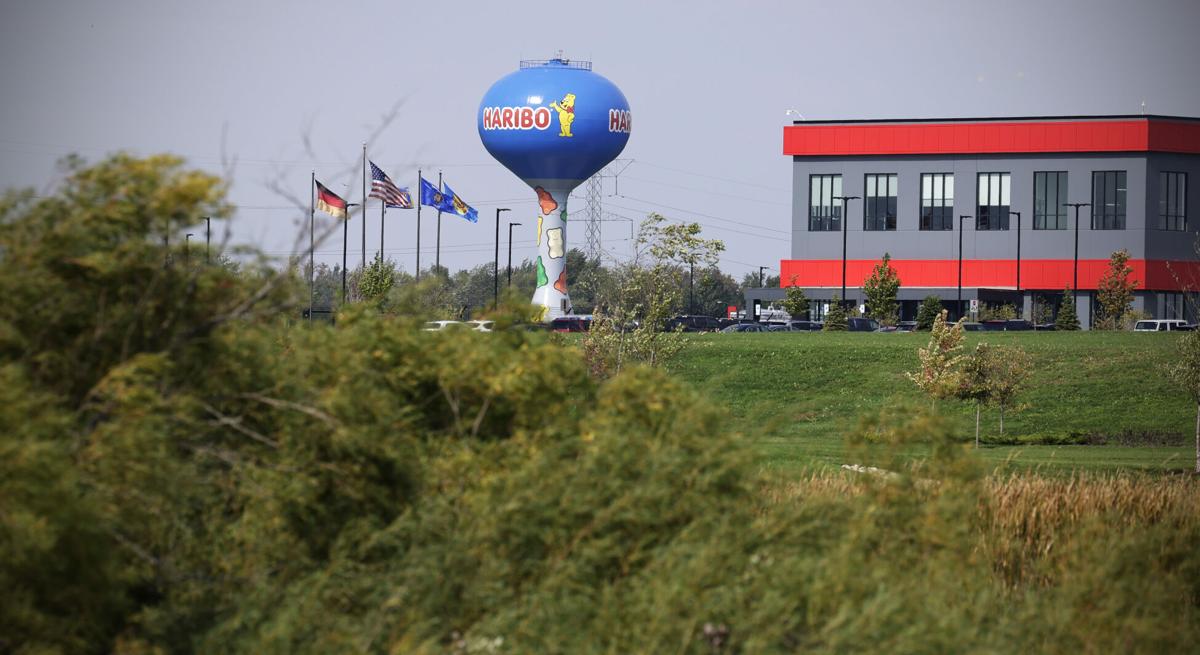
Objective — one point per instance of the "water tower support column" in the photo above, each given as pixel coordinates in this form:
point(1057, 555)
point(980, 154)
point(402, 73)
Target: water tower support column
point(551, 263)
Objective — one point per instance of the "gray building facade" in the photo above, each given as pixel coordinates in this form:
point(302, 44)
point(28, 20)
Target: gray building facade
point(975, 202)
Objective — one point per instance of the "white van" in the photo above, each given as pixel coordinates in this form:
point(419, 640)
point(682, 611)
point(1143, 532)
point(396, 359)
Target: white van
point(1160, 325)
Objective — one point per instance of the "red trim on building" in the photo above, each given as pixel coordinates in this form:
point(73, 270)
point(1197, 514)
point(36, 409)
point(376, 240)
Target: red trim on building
point(1045, 274)
point(1114, 135)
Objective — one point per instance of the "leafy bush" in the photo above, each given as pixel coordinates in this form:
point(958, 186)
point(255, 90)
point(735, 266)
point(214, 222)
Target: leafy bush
point(836, 319)
point(234, 481)
point(928, 312)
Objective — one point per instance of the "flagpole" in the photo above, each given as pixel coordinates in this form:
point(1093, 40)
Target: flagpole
point(437, 257)
point(312, 185)
point(419, 223)
point(382, 211)
point(364, 206)
point(345, 231)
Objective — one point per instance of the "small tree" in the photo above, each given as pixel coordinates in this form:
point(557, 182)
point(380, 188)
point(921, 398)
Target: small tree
point(629, 328)
point(1042, 311)
point(1115, 291)
point(1008, 372)
point(835, 318)
point(938, 376)
point(1068, 319)
point(930, 308)
point(881, 289)
point(974, 383)
point(992, 376)
point(377, 280)
point(1186, 373)
point(796, 303)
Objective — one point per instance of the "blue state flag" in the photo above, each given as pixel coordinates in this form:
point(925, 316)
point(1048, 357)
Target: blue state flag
point(459, 206)
point(432, 197)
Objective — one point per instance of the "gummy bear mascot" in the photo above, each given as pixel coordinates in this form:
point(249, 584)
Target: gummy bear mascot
point(553, 124)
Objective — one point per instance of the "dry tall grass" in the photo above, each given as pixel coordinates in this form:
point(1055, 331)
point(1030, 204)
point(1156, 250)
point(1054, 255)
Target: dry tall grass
point(1027, 519)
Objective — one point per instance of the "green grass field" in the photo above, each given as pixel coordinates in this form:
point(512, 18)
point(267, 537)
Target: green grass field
point(796, 394)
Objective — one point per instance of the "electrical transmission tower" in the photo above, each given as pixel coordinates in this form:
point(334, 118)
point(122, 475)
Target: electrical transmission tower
point(594, 190)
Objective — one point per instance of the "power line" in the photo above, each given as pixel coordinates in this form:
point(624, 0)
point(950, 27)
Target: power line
point(715, 218)
point(711, 177)
point(710, 192)
point(715, 227)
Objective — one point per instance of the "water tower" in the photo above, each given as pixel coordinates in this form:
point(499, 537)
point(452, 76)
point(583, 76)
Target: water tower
point(553, 123)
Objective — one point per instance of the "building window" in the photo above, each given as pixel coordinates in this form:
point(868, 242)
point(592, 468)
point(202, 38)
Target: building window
point(992, 201)
point(1049, 194)
point(937, 201)
point(824, 212)
point(1172, 201)
point(1173, 306)
point(879, 208)
point(1108, 200)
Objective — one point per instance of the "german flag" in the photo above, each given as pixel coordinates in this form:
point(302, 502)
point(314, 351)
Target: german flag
point(330, 203)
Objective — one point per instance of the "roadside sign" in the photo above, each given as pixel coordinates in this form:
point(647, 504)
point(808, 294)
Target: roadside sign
point(974, 305)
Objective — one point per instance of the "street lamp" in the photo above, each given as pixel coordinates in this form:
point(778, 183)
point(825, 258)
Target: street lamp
point(207, 239)
point(345, 244)
point(187, 248)
point(960, 253)
point(1018, 214)
point(496, 261)
point(1075, 265)
point(510, 227)
point(845, 226)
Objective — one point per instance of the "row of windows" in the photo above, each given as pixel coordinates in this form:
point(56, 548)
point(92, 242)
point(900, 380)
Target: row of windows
point(992, 191)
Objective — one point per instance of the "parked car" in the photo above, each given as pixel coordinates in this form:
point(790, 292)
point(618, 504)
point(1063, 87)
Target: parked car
point(1010, 325)
point(744, 327)
point(692, 323)
point(529, 327)
point(805, 326)
point(862, 325)
point(779, 327)
point(1044, 327)
point(906, 326)
point(481, 325)
point(1161, 325)
point(439, 326)
point(972, 327)
point(571, 324)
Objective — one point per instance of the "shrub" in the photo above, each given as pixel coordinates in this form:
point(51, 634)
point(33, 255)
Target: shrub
point(1115, 291)
point(836, 319)
point(881, 288)
point(931, 306)
point(1068, 318)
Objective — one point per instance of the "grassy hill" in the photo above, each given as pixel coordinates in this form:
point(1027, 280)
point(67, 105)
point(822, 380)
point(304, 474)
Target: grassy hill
point(1094, 401)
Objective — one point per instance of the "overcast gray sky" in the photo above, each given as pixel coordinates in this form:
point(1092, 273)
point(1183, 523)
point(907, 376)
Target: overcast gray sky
point(708, 83)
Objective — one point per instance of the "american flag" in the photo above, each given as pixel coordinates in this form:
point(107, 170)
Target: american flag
point(383, 188)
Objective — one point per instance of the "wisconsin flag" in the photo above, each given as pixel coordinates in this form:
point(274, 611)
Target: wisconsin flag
point(459, 206)
point(330, 202)
point(431, 197)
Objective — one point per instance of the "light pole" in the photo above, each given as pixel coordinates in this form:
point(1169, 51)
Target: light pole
point(1018, 214)
point(207, 239)
point(691, 286)
point(496, 261)
point(845, 226)
point(510, 227)
point(1075, 264)
point(345, 243)
point(960, 253)
point(187, 248)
